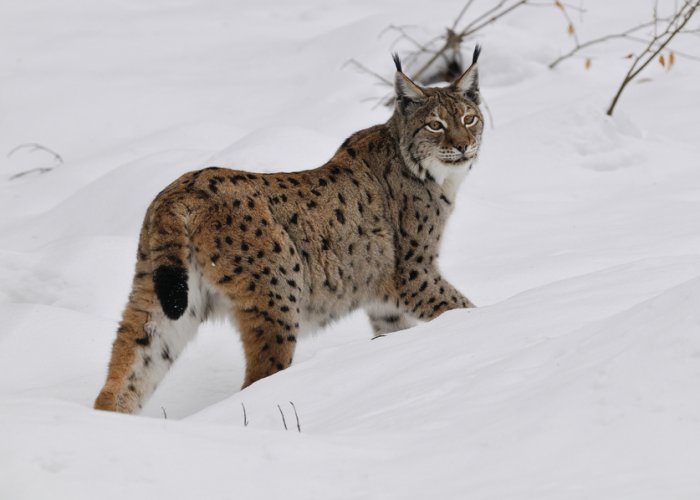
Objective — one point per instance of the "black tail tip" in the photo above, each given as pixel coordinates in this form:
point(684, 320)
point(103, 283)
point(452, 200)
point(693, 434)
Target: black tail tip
point(170, 283)
point(397, 61)
point(477, 52)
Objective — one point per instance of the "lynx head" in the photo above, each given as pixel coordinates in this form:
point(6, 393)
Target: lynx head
point(438, 129)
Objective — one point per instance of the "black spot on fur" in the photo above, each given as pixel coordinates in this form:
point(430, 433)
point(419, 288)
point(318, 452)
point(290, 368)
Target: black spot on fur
point(170, 284)
point(144, 341)
point(165, 354)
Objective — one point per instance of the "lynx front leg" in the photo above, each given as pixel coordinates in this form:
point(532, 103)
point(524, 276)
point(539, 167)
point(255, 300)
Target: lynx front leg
point(426, 295)
point(388, 321)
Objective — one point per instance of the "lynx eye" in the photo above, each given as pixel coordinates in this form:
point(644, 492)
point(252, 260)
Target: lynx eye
point(470, 121)
point(435, 126)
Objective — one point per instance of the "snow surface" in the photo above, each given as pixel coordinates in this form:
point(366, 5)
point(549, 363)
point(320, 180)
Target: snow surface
point(578, 234)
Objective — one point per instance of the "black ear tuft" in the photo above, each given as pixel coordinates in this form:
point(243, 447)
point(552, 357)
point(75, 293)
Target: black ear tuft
point(477, 52)
point(397, 61)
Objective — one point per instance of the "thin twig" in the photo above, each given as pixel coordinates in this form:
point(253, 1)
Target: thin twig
point(296, 415)
point(401, 30)
point(41, 170)
point(484, 15)
point(572, 31)
point(245, 416)
point(365, 69)
point(676, 52)
point(576, 8)
point(473, 29)
point(283, 419)
point(165, 415)
point(488, 112)
point(32, 147)
point(461, 14)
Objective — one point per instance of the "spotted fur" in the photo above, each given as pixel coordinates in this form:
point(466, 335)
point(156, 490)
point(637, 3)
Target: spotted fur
point(286, 253)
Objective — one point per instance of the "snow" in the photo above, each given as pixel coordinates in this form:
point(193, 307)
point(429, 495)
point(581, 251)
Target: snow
point(576, 234)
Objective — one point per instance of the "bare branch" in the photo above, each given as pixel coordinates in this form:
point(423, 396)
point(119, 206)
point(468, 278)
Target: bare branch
point(595, 41)
point(453, 38)
point(678, 21)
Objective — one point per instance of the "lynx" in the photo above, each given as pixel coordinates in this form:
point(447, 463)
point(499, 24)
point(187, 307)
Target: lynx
point(286, 253)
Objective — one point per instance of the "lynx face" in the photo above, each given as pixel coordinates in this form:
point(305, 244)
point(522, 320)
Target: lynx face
point(439, 128)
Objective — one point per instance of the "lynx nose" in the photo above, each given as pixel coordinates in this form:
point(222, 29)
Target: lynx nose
point(461, 147)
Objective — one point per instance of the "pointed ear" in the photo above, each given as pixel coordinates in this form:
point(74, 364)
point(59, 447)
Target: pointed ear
point(406, 90)
point(468, 83)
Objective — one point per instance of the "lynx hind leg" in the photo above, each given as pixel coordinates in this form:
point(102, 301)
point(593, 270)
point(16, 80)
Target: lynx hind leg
point(269, 341)
point(265, 308)
point(147, 344)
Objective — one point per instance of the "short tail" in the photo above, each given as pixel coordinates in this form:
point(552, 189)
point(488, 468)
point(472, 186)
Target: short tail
point(170, 283)
point(169, 253)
